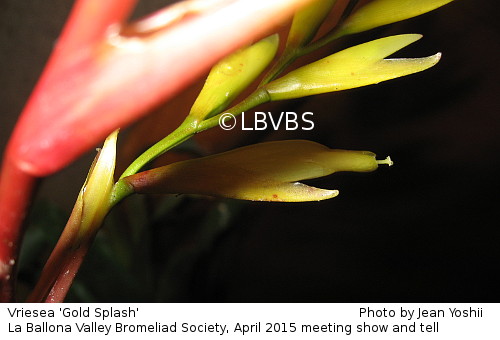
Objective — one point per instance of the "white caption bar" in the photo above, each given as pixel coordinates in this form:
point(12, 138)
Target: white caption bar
point(249, 321)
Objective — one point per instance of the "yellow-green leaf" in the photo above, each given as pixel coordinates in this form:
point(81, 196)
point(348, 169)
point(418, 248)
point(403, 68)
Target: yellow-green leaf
point(307, 21)
point(232, 75)
point(382, 12)
point(357, 66)
point(94, 196)
point(261, 172)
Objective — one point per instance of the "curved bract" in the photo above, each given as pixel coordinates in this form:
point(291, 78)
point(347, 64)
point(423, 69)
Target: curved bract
point(357, 66)
point(383, 12)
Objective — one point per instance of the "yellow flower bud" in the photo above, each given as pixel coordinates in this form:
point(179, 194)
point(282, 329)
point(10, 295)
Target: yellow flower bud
point(261, 172)
point(357, 66)
point(232, 75)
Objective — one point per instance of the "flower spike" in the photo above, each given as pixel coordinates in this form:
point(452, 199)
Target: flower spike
point(261, 172)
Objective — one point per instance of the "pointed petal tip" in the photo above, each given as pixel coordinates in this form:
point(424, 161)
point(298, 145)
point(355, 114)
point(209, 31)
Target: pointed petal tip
point(415, 36)
point(431, 60)
point(330, 194)
point(403, 40)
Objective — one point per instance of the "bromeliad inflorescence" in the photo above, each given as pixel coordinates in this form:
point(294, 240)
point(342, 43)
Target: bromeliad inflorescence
point(263, 172)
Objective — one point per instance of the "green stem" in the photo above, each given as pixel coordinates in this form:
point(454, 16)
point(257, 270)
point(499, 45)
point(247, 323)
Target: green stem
point(333, 35)
point(187, 129)
point(293, 53)
point(283, 62)
point(259, 96)
point(120, 190)
point(179, 135)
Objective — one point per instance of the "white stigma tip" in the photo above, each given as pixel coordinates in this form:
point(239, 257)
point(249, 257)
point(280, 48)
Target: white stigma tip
point(388, 161)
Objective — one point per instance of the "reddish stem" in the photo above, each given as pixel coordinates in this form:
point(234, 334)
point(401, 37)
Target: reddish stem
point(67, 274)
point(60, 258)
point(16, 188)
point(59, 272)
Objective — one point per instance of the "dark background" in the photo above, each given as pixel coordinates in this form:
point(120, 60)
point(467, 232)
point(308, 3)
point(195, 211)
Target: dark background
point(424, 230)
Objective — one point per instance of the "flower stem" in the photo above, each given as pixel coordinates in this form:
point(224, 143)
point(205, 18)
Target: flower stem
point(60, 257)
point(179, 135)
point(283, 62)
point(67, 274)
point(334, 34)
point(187, 129)
point(259, 96)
